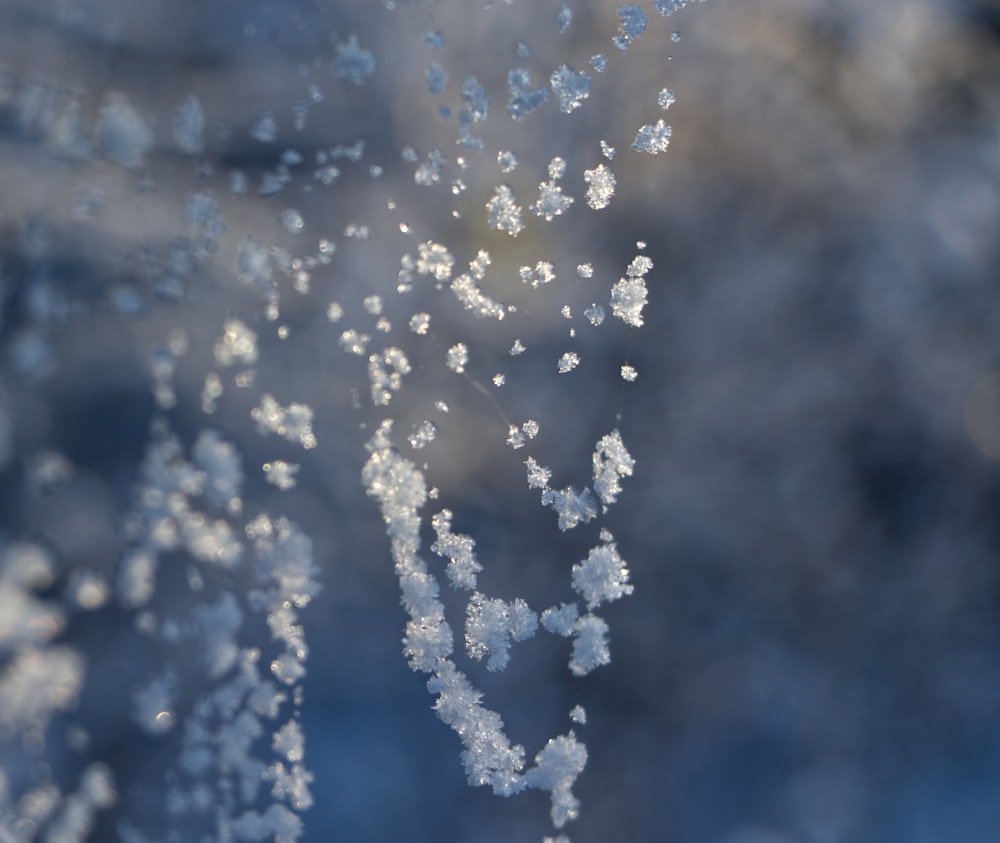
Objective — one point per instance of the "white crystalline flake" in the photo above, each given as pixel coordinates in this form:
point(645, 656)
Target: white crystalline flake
point(353, 61)
point(281, 474)
point(123, 137)
point(570, 88)
point(632, 23)
point(420, 323)
point(665, 98)
point(628, 297)
point(601, 186)
point(238, 345)
point(612, 461)
point(492, 624)
point(293, 422)
point(653, 138)
point(590, 647)
point(568, 362)
point(457, 357)
point(629, 373)
point(435, 259)
point(602, 576)
point(503, 213)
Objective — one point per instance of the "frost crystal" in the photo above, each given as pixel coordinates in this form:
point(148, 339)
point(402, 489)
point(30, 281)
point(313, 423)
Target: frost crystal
point(601, 186)
point(353, 61)
point(665, 98)
point(590, 647)
point(281, 474)
point(503, 213)
point(571, 88)
point(122, 135)
point(541, 274)
point(652, 138)
point(385, 372)
point(522, 97)
point(628, 298)
point(293, 422)
point(457, 357)
point(594, 314)
point(632, 23)
point(423, 435)
point(612, 461)
point(189, 127)
point(435, 260)
point(564, 18)
point(602, 576)
point(491, 626)
point(568, 362)
point(571, 506)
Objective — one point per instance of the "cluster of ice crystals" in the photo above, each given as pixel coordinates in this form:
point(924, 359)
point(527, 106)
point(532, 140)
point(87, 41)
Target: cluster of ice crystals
point(600, 186)
point(653, 138)
point(492, 624)
point(457, 357)
point(602, 576)
point(570, 87)
point(293, 422)
point(632, 23)
point(503, 212)
point(612, 461)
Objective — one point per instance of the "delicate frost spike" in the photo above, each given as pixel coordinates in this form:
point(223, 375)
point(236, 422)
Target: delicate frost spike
point(503, 213)
point(571, 88)
point(653, 138)
point(556, 769)
point(628, 298)
point(600, 186)
point(602, 576)
point(293, 422)
point(122, 135)
point(189, 127)
point(632, 23)
point(353, 61)
point(457, 357)
point(612, 461)
point(522, 99)
point(572, 507)
point(460, 550)
point(491, 625)
point(590, 647)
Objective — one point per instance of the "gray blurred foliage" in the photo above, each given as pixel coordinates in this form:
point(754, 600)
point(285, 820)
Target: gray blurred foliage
point(812, 650)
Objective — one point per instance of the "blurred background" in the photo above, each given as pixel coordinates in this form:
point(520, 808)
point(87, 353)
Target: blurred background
point(812, 651)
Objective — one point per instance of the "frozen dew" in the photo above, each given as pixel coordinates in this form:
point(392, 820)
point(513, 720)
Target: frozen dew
point(602, 576)
point(600, 186)
point(507, 161)
point(578, 714)
point(503, 213)
point(373, 305)
point(568, 362)
point(538, 475)
point(612, 461)
point(385, 372)
point(629, 373)
point(435, 259)
point(541, 273)
point(353, 62)
point(281, 474)
point(665, 98)
point(594, 314)
point(599, 62)
point(556, 769)
point(632, 23)
point(237, 345)
point(570, 87)
point(628, 298)
point(334, 312)
point(564, 18)
point(457, 357)
point(517, 348)
point(123, 137)
point(293, 422)
point(607, 151)
point(590, 646)
point(265, 129)
point(189, 126)
point(354, 343)
point(420, 323)
point(492, 624)
point(291, 220)
point(436, 78)
point(522, 96)
point(475, 99)
point(652, 138)
point(423, 436)
point(572, 507)
point(499, 380)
